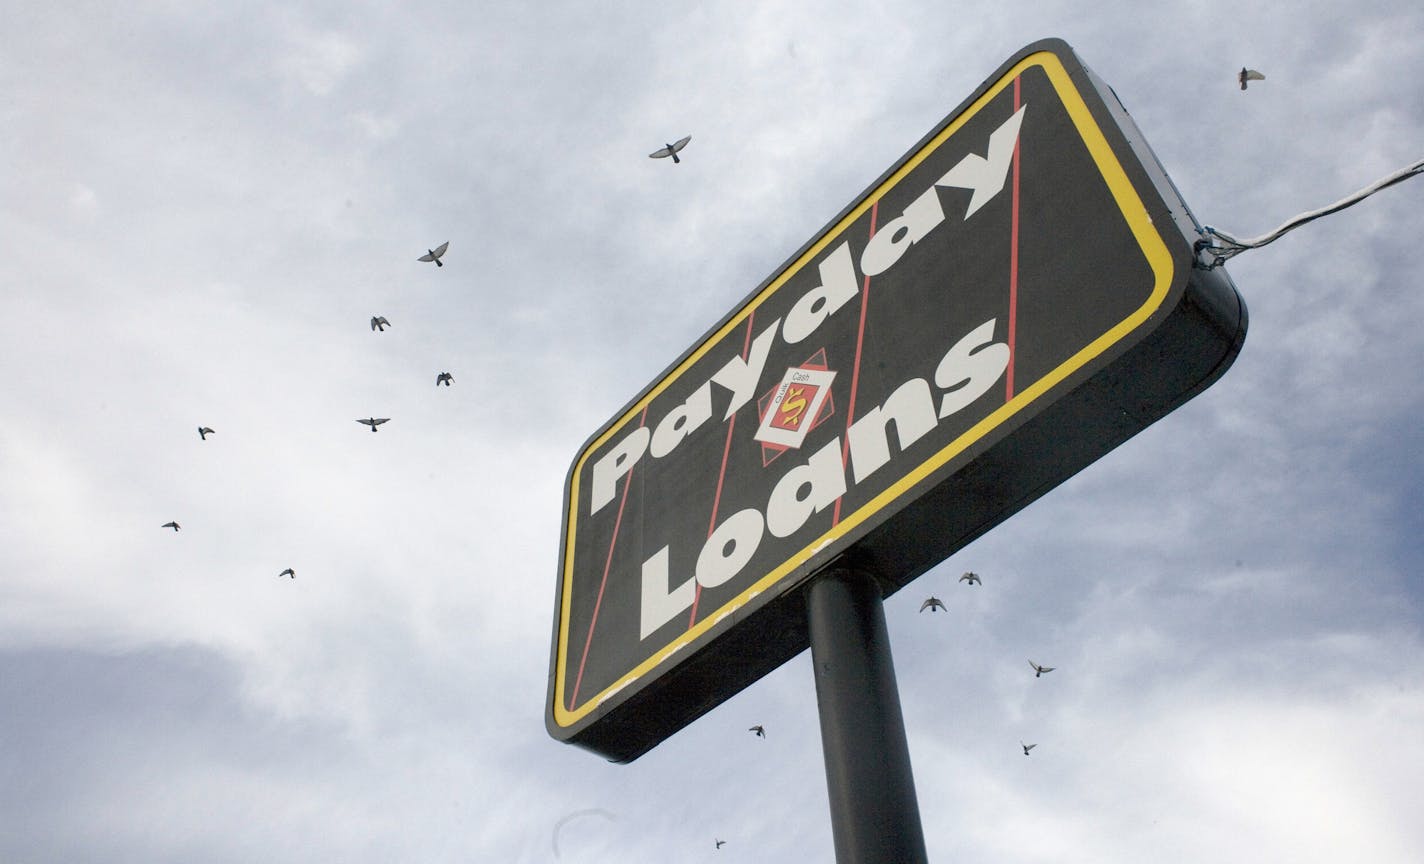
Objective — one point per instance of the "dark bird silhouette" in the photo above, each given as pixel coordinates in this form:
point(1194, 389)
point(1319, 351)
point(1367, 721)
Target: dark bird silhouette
point(933, 604)
point(1248, 75)
point(1039, 670)
point(719, 843)
point(760, 732)
point(379, 323)
point(434, 254)
point(173, 525)
point(972, 578)
point(288, 572)
point(1027, 747)
point(670, 149)
point(373, 422)
point(204, 432)
point(444, 378)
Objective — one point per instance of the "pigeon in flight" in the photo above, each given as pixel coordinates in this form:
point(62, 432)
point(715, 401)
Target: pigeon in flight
point(204, 432)
point(288, 572)
point(1027, 747)
point(434, 254)
point(972, 578)
point(173, 525)
point(444, 378)
point(670, 149)
point(720, 843)
point(1039, 670)
point(760, 732)
point(373, 422)
point(380, 323)
point(933, 604)
point(1248, 75)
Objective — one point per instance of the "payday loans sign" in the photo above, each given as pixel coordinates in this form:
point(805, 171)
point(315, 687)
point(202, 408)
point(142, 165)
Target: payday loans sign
point(1015, 297)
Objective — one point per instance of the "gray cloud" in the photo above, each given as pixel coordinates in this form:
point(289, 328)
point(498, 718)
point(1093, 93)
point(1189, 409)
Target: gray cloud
point(208, 205)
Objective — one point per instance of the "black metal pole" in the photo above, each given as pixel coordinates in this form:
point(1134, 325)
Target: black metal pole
point(874, 815)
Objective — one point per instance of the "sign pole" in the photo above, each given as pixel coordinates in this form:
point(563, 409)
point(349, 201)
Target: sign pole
point(875, 818)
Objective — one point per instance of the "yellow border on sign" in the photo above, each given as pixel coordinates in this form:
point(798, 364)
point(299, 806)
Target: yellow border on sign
point(1153, 247)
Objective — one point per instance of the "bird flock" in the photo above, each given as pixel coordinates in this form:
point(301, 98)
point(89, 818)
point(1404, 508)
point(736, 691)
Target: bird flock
point(934, 604)
point(379, 323)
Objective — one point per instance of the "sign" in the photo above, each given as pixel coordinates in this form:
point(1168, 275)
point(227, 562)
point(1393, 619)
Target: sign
point(1015, 297)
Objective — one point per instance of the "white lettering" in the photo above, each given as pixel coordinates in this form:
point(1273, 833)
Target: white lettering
point(661, 605)
point(986, 176)
point(970, 368)
point(837, 286)
point(823, 473)
point(741, 376)
point(729, 548)
point(911, 407)
point(891, 241)
point(682, 420)
point(614, 464)
point(965, 372)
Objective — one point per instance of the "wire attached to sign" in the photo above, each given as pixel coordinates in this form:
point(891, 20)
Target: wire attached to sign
point(1216, 247)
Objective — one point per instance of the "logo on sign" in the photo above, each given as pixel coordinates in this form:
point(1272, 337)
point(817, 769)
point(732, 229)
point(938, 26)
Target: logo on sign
point(795, 406)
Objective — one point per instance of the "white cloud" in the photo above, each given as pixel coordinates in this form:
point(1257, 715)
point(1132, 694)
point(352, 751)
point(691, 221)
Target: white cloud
point(319, 61)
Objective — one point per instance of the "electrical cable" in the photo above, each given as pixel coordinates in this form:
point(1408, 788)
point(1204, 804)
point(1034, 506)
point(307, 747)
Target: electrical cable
point(1219, 245)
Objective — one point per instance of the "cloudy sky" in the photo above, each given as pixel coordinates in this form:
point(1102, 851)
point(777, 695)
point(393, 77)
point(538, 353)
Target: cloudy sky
point(202, 205)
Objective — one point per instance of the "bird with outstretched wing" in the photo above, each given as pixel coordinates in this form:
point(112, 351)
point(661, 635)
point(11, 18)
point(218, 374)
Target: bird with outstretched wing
point(672, 149)
point(1248, 75)
point(434, 254)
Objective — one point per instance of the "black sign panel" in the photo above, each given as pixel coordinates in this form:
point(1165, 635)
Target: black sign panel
point(1014, 298)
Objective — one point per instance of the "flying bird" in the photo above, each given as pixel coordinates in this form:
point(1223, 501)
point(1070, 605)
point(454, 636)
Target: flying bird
point(204, 432)
point(972, 578)
point(760, 732)
point(1248, 75)
point(933, 604)
point(1027, 747)
point(720, 843)
point(434, 254)
point(1039, 670)
point(444, 378)
point(373, 422)
point(670, 149)
point(380, 323)
point(288, 572)
point(173, 525)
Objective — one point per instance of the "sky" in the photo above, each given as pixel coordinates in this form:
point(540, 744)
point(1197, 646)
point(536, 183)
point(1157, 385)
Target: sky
point(203, 205)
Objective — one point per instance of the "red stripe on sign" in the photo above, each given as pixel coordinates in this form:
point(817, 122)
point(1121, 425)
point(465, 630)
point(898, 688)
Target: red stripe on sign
point(722, 474)
point(855, 370)
point(607, 564)
point(1013, 264)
